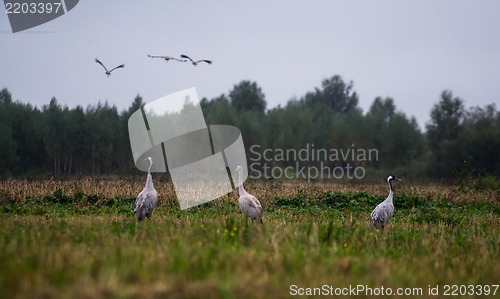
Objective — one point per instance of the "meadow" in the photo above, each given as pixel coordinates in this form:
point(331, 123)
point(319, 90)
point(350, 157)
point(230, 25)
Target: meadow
point(79, 239)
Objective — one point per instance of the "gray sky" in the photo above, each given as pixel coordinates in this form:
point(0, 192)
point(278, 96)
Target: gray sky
point(410, 51)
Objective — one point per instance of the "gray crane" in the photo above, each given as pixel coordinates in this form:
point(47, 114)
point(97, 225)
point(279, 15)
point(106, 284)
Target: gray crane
point(148, 198)
point(249, 205)
point(167, 58)
point(385, 210)
point(108, 72)
point(195, 62)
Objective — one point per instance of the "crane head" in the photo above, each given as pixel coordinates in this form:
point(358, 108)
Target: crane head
point(392, 177)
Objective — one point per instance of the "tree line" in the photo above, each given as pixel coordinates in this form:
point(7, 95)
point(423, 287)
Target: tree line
point(57, 140)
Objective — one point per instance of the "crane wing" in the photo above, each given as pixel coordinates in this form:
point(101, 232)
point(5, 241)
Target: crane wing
point(250, 206)
point(97, 60)
point(145, 203)
point(167, 58)
point(382, 213)
point(187, 57)
point(256, 208)
point(120, 66)
point(140, 200)
point(204, 60)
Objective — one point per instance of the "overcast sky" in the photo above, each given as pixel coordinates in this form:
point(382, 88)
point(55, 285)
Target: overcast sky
point(410, 51)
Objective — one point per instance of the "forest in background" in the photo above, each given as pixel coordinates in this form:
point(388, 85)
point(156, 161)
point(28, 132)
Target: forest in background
point(458, 141)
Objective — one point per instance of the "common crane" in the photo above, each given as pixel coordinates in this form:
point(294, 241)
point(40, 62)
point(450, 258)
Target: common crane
point(195, 62)
point(108, 72)
point(384, 211)
point(249, 205)
point(148, 198)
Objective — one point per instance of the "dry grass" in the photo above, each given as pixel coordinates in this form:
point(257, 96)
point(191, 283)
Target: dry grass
point(16, 190)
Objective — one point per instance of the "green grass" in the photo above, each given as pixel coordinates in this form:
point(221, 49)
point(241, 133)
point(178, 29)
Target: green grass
point(85, 245)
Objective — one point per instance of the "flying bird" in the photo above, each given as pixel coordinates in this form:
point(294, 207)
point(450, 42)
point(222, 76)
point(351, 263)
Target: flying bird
point(384, 211)
point(195, 62)
point(108, 72)
point(249, 205)
point(167, 58)
point(148, 198)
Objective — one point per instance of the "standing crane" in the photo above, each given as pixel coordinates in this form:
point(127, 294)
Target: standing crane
point(108, 72)
point(249, 205)
point(148, 198)
point(384, 211)
point(195, 62)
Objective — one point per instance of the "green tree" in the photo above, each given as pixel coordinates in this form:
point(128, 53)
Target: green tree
point(405, 145)
point(5, 97)
point(247, 96)
point(52, 131)
point(218, 111)
point(478, 143)
point(7, 144)
point(334, 93)
point(446, 119)
point(76, 145)
point(25, 122)
point(379, 116)
point(124, 158)
point(382, 110)
point(398, 139)
point(104, 127)
point(446, 122)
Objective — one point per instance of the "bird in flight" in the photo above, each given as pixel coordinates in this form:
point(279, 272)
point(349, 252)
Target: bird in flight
point(108, 72)
point(167, 58)
point(195, 62)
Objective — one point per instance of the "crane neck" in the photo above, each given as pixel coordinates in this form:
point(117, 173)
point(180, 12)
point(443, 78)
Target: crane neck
point(391, 192)
point(149, 181)
point(240, 184)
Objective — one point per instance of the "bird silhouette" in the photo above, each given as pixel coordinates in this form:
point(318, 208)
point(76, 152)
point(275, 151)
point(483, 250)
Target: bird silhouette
point(195, 62)
point(108, 72)
point(167, 58)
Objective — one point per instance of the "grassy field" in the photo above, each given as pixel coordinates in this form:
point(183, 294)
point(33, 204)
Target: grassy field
point(79, 239)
